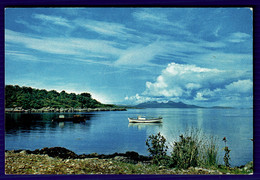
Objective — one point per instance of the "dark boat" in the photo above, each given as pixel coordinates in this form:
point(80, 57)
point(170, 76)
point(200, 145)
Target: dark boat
point(75, 119)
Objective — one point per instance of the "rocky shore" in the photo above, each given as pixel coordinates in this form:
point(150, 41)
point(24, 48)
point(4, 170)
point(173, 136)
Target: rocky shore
point(58, 160)
point(50, 109)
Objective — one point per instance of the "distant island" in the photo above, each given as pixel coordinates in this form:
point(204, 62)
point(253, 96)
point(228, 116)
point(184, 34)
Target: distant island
point(20, 99)
point(169, 104)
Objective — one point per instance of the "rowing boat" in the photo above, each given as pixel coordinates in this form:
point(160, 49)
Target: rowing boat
point(141, 119)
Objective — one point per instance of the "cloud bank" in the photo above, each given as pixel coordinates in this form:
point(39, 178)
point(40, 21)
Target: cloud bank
point(196, 85)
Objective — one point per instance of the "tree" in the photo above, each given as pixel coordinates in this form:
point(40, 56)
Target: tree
point(28, 97)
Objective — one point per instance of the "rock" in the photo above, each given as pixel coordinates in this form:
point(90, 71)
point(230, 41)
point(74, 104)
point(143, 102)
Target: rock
point(57, 152)
point(23, 152)
point(120, 158)
point(94, 154)
point(132, 155)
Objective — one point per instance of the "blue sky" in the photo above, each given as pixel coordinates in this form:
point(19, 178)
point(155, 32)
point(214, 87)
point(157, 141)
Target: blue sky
point(201, 56)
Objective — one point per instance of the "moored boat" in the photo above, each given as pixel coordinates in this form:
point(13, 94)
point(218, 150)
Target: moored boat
point(141, 119)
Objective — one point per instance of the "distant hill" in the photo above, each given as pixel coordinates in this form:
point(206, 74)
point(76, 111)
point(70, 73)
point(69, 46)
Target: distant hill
point(221, 107)
point(169, 104)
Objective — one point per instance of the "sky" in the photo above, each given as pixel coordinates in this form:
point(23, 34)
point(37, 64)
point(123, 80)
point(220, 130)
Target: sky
point(199, 56)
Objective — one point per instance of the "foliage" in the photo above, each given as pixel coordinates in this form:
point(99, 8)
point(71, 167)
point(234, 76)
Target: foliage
point(27, 98)
point(195, 149)
point(185, 152)
point(209, 152)
point(157, 148)
point(191, 150)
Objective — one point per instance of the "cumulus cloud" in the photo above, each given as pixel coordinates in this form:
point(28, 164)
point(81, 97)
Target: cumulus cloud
point(180, 80)
point(241, 86)
point(192, 84)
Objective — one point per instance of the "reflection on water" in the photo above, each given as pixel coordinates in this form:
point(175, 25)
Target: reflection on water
point(23, 122)
point(141, 126)
point(61, 124)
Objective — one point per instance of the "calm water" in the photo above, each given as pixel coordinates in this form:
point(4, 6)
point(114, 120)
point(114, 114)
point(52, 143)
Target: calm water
point(108, 132)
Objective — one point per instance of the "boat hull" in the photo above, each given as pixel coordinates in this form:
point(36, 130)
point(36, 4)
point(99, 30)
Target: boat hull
point(156, 120)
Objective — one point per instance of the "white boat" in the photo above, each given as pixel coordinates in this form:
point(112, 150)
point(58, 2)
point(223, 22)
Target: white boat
point(141, 119)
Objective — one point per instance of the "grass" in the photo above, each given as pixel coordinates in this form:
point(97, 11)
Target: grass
point(18, 163)
point(193, 149)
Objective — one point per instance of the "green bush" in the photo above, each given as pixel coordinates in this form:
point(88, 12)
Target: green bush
point(157, 149)
point(195, 149)
point(192, 149)
point(185, 152)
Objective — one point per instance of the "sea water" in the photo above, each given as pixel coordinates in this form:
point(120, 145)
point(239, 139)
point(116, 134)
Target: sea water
point(107, 132)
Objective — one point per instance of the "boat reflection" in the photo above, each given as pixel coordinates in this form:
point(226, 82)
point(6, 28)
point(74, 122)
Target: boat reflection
point(144, 125)
point(61, 124)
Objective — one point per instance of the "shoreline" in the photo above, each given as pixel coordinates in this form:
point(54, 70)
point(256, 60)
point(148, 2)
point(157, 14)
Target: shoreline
point(60, 110)
point(61, 152)
point(59, 160)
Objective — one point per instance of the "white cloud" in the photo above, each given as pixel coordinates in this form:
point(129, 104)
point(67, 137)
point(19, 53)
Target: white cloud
point(140, 54)
point(136, 99)
point(106, 28)
point(199, 97)
point(64, 46)
point(57, 20)
point(240, 86)
point(146, 16)
point(223, 61)
point(192, 84)
point(155, 17)
point(238, 37)
point(179, 80)
point(17, 55)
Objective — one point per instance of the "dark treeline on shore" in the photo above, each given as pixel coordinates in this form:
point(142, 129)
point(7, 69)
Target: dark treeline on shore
point(31, 98)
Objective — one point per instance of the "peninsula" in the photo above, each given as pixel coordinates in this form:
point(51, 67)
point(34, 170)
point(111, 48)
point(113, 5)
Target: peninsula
point(27, 99)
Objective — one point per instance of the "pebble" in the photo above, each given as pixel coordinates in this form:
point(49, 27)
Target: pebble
point(43, 164)
point(23, 152)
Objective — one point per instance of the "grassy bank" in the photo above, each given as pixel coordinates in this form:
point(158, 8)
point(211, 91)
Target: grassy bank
point(23, 163)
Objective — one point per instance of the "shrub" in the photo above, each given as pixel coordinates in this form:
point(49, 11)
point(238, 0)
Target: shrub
point(194, 149)
point(191, 150)
point(209, 152)
point(157, 149)
point(185, 152)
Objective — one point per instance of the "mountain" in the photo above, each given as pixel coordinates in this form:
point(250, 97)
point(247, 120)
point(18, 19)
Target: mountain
point(169, 104)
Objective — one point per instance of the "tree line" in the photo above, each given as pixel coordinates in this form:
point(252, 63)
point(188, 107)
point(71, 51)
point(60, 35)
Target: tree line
point(28, 98)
